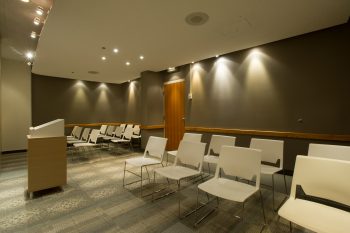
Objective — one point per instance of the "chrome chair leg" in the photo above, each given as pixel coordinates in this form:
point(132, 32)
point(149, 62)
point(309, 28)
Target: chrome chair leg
point(262, 206)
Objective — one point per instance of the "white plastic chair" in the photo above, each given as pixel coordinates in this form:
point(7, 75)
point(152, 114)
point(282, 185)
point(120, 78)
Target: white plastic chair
point(84, 137)
point(103, 130)
point(116, 134)
point(239, 162)
point(189, 137)
point(71, 136)
point(272, 160)
point(92, 141)
point(323, 180)
point(77, 134)
point(122, 126)
point(216, 142)
point(126, 137)
point(329, 151)
point(188, 163)
point(153, 155)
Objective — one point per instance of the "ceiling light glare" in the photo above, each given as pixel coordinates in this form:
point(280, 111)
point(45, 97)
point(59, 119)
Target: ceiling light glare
point(25, 0)
point(217, 55)
point(115, 50)
point(103, 58)
point(39, 10)
point(33, 35)
point(171, 69)
point(29, 63)
point(142, 57)
point(29, 55)
point(36, 21)
point(127, 63)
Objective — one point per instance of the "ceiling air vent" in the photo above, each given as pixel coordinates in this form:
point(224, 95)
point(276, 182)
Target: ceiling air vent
point(93, 72)
point(197, 18)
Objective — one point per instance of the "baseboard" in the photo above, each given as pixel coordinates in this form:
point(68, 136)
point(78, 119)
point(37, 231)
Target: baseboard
point(13, 151)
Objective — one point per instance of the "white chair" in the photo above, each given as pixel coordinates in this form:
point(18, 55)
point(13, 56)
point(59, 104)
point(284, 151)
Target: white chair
point(153, 155)
point(117, 134)
point(126, 137)
point(190, 137)
point(84, 137)
point(188, 163)
point(122, 126)
point(216, 142)
point(326, 184)
point(71, 136)
point(103, 129)
point(272, 160)
point(239, 162)
point(329, 151)
point(137, 130)
point(77, 134)
point(92, 140)
point(110, 130)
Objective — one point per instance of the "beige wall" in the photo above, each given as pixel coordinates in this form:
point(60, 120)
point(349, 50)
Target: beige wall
point(15, 104)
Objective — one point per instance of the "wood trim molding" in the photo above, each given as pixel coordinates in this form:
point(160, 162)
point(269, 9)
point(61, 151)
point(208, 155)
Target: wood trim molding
point(298, 135)
point(147, 127)
point(96, 124)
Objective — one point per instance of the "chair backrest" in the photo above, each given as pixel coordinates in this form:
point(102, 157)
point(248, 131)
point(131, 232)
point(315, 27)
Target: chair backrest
point(77, 132)
point(155, 147)
point(103, 129)
point(85, 135)
point(118, 132)
point(127, 133)
point(110, 130)
point(271, 150)
point(217, 141)
point(192, 137)
point(94, 136)
point(190, 153)
point(137, 129)
point(122, 126)
point(323, 178)
point(240, 162)
point(329, 151)
point(73, 130)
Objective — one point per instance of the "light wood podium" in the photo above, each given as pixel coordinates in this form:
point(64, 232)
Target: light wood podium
point(47, 160)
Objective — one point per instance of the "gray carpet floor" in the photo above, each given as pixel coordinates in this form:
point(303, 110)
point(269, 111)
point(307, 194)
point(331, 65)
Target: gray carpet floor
point(94, 200)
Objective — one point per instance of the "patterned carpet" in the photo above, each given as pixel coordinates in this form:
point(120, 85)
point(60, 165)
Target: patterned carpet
point(94, 200)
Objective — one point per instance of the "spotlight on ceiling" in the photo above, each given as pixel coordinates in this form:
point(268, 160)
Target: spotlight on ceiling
point(36, 21)
point(127, 63)
point(142, 57)
point(171, 69)
point(217, 55)
point(115, 50)
point(29, 55)
point(39, 10)
point(33, 35)
point(25, 0)
point(103, 58)
point(29, 63)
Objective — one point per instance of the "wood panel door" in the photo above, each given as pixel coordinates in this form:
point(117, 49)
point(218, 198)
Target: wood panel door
point(174, 116)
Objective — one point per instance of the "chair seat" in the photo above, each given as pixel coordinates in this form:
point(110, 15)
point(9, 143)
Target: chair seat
point(84, 144)
point(211, 159)
point(120, 140)
point(172, 152)
point(176, 172)
point(316, 217)
point(106, 138)
point(141, 161)
point(70, 137)
point(228, 189)
point(75, 141)
point(136, 136)
point(269, 170)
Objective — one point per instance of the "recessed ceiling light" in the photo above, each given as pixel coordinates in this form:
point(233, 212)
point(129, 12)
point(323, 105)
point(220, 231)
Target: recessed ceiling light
point(127, 63)
point(36, 21)
point(103, 58)
point(192, 62)
point(33, 35)
point(39, 10)
point(142, 57)
point(129, 81)
point(217, 55)
point(29, 55)
point(29, 63)
point(25, 0)
point(197, 18)
point(115, 50)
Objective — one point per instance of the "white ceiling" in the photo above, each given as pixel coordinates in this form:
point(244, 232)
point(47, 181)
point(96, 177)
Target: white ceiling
point(71, 40)
point(16, 24)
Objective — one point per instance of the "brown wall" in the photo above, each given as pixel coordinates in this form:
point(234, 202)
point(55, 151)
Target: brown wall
point(75, 101)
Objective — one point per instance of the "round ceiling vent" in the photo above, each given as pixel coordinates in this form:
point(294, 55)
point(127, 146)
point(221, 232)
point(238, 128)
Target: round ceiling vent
point(197, 18)
point(93, 72)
